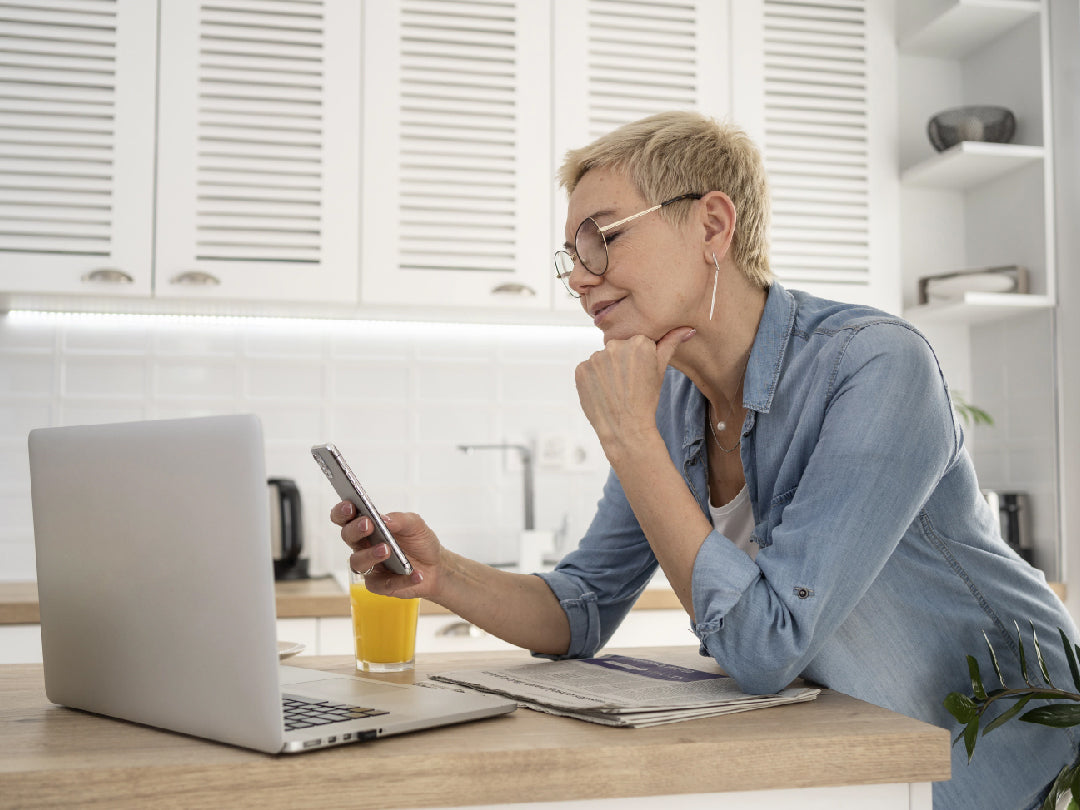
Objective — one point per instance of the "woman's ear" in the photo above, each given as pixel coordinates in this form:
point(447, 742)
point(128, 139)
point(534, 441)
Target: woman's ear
point(718, 217)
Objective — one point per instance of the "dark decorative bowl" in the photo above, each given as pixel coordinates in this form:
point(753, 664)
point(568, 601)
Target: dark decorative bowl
point(983, 123)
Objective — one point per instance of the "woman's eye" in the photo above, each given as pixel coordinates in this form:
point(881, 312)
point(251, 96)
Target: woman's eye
point(612, 236)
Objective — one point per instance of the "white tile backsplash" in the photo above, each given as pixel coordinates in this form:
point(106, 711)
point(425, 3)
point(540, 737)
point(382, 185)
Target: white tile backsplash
point(397, 398)
point(1013, 379)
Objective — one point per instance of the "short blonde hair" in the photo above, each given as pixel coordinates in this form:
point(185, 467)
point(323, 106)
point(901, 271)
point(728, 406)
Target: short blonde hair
point(675, 153)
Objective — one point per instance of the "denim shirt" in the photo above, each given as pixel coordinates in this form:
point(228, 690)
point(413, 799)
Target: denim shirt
point(881, 565)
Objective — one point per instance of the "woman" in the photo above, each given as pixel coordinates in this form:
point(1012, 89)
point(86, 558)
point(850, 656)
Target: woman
point(793, 465)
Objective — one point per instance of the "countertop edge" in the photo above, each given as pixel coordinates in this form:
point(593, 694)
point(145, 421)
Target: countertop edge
point(313, 599)
point(296, 599)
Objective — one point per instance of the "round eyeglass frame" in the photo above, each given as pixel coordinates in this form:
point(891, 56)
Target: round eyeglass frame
point(565, 261)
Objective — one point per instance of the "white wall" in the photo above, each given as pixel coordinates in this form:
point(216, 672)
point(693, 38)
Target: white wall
point(396, 398)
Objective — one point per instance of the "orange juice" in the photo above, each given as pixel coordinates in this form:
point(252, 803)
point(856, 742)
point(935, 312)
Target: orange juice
point(384, 628)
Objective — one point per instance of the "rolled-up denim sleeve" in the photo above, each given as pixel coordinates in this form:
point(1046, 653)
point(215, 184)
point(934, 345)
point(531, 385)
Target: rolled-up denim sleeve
point(581, 611)
point(598, 582)
point(722, 574)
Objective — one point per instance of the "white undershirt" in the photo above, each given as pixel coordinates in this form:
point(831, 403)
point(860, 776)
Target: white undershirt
point(735, 520)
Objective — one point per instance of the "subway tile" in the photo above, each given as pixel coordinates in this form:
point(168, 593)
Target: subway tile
point(302, 422)
point(445, 462)
point(387, 421)
point(14, 467)
point(370, 343)
point(17, 559)
point(112, 377)
point(284, 379)
point(26, 375)
point(284, 341)
point(456, 382)
point(289, 460)
point(369, 379)
point(35, 338)
point(536, 383)
point(17, 418)
point(124, 339)
point(458, 423)
point(18, 515)
point(189, 409)
point(196, 342)
point(81, 412)
point(196, 378)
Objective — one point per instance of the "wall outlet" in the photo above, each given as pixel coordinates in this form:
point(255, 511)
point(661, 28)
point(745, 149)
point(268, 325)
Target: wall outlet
point(553, 451)
point(586, 456)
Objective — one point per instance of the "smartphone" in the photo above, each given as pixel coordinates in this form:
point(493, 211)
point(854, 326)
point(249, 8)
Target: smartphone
point(347, 486)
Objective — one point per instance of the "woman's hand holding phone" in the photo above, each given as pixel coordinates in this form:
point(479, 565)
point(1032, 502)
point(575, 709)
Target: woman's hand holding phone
point(414, 538)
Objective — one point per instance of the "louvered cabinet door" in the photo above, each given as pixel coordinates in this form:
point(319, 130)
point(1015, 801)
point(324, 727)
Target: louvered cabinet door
point(617, 61)
point(76, 146)
point(457, 154)
point(828, 125)
point(258, 157)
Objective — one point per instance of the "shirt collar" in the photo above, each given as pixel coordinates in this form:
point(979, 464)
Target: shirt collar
point(770, 346)
point(762, 369)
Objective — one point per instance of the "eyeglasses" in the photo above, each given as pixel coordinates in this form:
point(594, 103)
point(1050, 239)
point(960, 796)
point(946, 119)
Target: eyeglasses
point(591, 247)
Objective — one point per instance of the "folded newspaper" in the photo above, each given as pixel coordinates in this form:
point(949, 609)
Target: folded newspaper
point(617, 690)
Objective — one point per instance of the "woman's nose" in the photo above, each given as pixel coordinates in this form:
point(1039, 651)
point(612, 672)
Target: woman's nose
point(581, 280)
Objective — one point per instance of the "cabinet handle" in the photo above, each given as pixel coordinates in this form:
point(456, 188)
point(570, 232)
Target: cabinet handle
point(195, 278)
point(107, 275)
point(513, 288)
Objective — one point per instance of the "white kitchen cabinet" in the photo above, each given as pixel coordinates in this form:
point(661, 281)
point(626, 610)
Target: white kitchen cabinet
point(300, 631)
point(77, 147)
point(20, 644)
point(258, 193)
point(469, 108)
point(220, 161)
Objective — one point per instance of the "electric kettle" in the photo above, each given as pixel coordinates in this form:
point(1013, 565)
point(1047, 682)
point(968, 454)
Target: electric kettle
point(286, 530)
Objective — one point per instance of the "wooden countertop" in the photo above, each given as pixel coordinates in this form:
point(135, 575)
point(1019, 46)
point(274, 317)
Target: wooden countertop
point(56, 756)
point(309, 598)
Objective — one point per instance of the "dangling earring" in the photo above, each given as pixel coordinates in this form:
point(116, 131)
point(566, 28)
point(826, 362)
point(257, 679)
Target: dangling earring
point(715, 282)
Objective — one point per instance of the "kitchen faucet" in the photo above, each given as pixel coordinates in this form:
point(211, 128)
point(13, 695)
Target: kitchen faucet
point(527, 465)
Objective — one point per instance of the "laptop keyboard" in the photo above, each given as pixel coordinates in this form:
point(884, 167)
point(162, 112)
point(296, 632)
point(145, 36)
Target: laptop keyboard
point(301, 712)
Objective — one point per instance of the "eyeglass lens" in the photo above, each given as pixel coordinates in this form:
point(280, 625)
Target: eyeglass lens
point(591, 247)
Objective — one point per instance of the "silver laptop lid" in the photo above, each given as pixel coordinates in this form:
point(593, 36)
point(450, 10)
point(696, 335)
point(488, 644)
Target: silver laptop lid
point(127, 517)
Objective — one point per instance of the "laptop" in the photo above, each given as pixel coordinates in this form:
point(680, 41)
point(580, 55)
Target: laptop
point(156, 588)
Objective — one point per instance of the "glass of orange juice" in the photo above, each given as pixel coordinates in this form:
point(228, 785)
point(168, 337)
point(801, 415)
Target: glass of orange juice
point(384, 628)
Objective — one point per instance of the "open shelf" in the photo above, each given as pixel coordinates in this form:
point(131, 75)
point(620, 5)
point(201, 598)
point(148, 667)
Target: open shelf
point(970, 163)
point(978, 307)
point(964, 25)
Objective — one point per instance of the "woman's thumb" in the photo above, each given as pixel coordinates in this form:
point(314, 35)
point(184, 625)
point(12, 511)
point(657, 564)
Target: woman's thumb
point(666, 346)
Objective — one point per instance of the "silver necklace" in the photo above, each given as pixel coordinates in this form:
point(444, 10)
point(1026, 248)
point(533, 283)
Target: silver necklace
point(720, 425)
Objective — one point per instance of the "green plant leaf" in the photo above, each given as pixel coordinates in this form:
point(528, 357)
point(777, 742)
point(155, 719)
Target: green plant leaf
point(976, 679)
point(1039, 656)
point(1062, 785)
point(971, 736)
point(1056, 716)
point(961, 707)
point(1007, 715)
point(1023, 656)
point(994, 661)
point(1074, 670)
